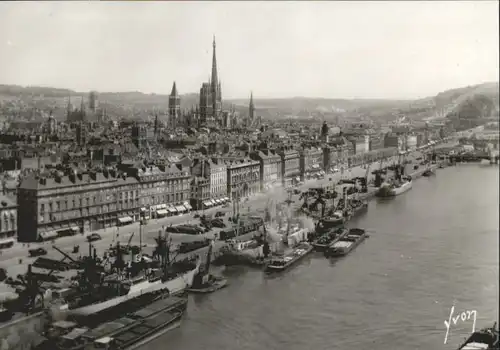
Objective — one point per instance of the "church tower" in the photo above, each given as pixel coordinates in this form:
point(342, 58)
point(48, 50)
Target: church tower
point(174, 107)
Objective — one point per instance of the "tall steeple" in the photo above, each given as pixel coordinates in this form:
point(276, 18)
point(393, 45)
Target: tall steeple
point(174, 90)
point(215, 87)
point(69, 108)
point(251, 108)
point(174, 107)
point(214, 79)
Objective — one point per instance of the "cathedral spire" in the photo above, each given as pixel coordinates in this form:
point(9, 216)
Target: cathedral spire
point(68, 108)
point(214, 66)
point(174, 90)
point(251, 108)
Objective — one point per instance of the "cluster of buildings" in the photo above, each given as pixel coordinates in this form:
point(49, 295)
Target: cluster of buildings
point(90, 172)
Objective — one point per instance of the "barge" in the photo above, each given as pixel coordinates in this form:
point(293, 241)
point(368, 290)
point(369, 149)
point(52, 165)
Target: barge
point(346, 244)
point(283, 262)
point(128, 332)
point(332, 236)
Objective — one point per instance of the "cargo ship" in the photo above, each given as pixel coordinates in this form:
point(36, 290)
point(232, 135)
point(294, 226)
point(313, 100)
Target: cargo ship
point(95, 293)
point(484, 339)
point(346, 244)
point(328, 238)
point(283, 262)
point(126, 333)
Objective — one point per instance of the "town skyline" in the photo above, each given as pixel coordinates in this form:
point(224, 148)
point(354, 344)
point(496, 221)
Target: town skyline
point(80, 57)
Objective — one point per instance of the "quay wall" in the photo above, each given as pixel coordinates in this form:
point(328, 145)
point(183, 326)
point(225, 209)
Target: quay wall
point(22, 333)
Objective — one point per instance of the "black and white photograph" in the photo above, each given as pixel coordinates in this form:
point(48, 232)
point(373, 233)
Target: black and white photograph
point(248, 175)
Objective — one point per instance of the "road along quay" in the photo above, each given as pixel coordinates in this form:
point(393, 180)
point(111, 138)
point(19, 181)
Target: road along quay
point(16, 259)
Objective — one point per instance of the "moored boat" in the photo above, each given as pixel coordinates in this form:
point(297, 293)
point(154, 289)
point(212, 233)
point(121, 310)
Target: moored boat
point(357, 208)
point(428, 172)
point(96, 291)
point(129, 289)
point(346, 244)
point(283, 262)
point(484, 339)
point(328, 238)
point(335, 220)
point(396, 188)
point(204, 281)
point(125, 333)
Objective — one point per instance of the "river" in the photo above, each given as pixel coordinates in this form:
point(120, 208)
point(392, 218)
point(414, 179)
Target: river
point(431, 248)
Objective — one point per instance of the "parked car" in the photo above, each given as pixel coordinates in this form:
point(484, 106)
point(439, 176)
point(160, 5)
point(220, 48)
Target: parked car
point(219, 214)
point(37, 252)
point(93, 237)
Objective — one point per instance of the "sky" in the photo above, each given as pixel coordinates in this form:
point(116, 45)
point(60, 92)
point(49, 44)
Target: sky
point(390, 50)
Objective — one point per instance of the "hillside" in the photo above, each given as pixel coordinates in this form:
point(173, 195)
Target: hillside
point(138, 104)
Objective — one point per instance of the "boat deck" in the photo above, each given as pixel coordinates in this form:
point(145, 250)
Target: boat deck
point(159, 306)
point(138, 331)
point(130, 322)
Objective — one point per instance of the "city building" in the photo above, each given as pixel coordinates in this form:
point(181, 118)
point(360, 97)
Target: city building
point(270, 168)
point(215, 171)
point(139, 135)
point(53, 204)
point(411, 142)
point(376, 142)
point(174, 108)
point(75, 115)
point(200, 193)
point(311, 162)
point(8, 221)
point(393, 141)
point(290, 166)
point(243, 177)
point(81, 133)
point(211, 96)
point(164, 189)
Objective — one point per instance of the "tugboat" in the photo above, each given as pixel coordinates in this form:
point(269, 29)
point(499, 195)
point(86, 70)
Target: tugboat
point(346, 244)
point(484, 339)
point(328, 238)
point(204, 282)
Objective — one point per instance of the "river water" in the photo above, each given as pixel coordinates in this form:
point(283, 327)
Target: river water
point(431, 248)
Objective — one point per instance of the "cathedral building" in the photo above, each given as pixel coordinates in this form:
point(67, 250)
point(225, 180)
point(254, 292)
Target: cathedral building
point(211, 97)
